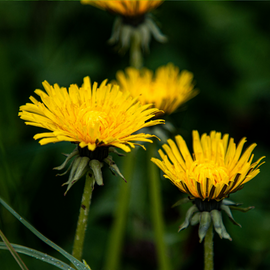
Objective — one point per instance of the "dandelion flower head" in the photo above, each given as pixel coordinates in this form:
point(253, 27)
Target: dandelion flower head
point(167, 89)
point(90, 116)
point(216, 169)
point(127, 8)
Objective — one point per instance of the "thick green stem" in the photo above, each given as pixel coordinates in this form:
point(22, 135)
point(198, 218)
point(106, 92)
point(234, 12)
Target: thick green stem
point(83, 217)
point(208, 249)
point(136, 59)
point(118, 228)
point(156, 210)
point(116, 237)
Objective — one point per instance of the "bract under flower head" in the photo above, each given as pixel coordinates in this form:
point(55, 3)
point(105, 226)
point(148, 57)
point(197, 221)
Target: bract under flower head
point(206, 212)
point(167, 89)
point(216, 169)
point(89, 116)
point(128, 8)
point(134, 27)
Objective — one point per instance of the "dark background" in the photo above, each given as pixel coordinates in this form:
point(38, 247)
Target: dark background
point(227, 47)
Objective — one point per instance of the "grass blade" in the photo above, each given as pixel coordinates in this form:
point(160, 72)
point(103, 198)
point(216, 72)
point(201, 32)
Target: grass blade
point(16, 256)
point(79, 265)
point(38, 255)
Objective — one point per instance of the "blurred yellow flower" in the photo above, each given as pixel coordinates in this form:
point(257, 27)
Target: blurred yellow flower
point(128, 8)
point(167, 89)
point(89, 116)
point(215, 170)
point(133, 27)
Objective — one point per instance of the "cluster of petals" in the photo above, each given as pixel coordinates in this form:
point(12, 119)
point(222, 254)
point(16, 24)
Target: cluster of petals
point(90, 116)
point(216, 168)
point(128, 8)
point(167, 89)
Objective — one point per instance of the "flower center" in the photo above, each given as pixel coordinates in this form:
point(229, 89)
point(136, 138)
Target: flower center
point(209, 170)
point(94, 118)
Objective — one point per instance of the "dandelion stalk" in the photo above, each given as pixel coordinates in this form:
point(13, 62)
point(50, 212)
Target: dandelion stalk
point(156, 211)
point(136, 58)
point(208, 249)
point(83, 216)
point(209, 175)
point(118, 227)
point(96, 118)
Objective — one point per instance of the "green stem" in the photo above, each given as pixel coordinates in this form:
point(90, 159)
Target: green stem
point(208, 249)
point(83, 216)
point(156, 210)
point(118, 228)
point(136, 59)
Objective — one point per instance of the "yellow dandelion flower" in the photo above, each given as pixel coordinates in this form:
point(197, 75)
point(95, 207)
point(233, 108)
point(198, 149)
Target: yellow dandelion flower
point(167, 89)
point(216, 169)
point(89, 116)
point(134, 27)
point(129, 8)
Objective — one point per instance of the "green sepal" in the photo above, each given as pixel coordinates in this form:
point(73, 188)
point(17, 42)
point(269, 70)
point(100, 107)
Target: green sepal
point(229, 213)
point(126, 36)
point(180, 202)
point(193, 209)
point(113, 167)
point(115, 31)
point(230, 203)
point(195, 219)
point(79, 168)
point(112, 149)
point(68, 169)
point(205, 222)
point(242, 209)
point(151, 26)
point(96, 166)
point(217, 221)
point(145, 37)
point(69, 157)
point(225, 235)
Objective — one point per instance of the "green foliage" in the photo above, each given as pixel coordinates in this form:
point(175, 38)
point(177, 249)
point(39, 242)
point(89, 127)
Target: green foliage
point(38, 255)
point(5, 244)
point(79, 265)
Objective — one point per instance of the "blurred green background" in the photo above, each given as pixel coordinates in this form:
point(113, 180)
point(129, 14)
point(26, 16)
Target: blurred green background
point(227, 47)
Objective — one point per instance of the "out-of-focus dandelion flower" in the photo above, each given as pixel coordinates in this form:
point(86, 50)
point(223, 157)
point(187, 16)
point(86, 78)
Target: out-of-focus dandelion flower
point(215, 170)
point(97, 119)
point(134, 26)
point(126, 8)
point(167, 89)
